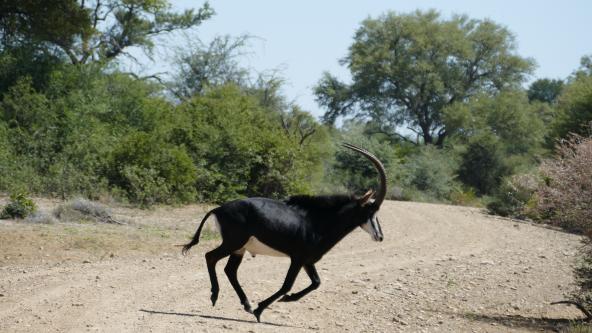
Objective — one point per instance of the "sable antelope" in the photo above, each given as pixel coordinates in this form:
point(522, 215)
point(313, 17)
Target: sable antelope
point(302, 227)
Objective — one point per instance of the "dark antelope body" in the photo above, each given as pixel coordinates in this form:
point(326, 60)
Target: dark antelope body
point(302, 228)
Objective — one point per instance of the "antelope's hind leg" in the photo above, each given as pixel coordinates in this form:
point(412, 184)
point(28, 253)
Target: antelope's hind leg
point(231, 270)
point(212, 258)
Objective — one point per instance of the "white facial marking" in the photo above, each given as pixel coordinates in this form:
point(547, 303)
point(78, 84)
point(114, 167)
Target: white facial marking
point(367, 226)
point(372, 228)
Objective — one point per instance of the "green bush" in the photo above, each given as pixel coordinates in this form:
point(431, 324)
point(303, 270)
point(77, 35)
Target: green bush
point(482, 165)
point(240, 148)
point(575, 108)
point(432, 171)
point(513, 196)
point(150, 171)
point(20, 206)
point(352, 172)
point(464, 197)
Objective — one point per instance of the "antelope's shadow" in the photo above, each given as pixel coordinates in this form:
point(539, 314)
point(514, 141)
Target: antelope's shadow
point(184, 314)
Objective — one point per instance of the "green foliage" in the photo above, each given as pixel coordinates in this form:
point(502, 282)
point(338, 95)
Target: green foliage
point(508, 117)
point(212, 65)
point(407, 68)
point(149, 170)
point(31, 21)
point(431, 171)
point(352, 172)
point(240, 149)
point(514, 197)
point(575, 108)
point(545, 90)
point(27, 61)
point(482, 165)
point(501, 135)
point(464, 197)
point(19, 206)
point(59, 139)
point(94, 31)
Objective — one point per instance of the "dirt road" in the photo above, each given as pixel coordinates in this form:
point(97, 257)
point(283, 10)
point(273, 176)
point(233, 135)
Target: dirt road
point(440, 268)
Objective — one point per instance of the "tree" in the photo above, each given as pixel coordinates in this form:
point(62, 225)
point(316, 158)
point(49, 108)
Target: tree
point(407, 68)
point(210, 65)
point(482, 164)
point(545, 90)
point(240, 147)
point(58, 22)
point(575, 104)
point(508, 117)
point(502, 134)
point(98, 30)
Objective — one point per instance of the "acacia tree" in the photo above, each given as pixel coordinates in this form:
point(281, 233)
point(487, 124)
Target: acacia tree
point(575, 103)
point(30, 21)
point(94, 30)
point(211, 65)
point(545, 90)
point(407, 67)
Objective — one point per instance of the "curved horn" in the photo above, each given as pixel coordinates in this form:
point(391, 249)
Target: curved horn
point(381, 194)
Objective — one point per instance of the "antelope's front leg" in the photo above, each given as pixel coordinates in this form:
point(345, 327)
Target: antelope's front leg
point(288, 283)
point(315, 283)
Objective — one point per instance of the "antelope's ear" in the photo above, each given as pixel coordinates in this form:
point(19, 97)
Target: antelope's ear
point(365, 199)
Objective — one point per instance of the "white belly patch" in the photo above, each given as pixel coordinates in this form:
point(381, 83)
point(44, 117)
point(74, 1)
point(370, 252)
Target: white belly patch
point(254, 246)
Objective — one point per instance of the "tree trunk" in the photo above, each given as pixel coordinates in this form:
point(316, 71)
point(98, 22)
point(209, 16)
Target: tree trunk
point(441, 137)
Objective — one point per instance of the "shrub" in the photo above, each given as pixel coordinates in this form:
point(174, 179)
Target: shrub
point(80, 209)
point(240, 148)
point(464, 197)
point(150, 171)
point(482, 164)
point(352, 172)
point(565, 196)
point(40, 217)
point(431, 171)
point(513, 196)
point(575, 108)
point(20, 206)
point(565, 200)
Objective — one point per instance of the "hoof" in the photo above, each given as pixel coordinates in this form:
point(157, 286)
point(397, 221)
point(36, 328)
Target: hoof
point(248, 308)
point(257, 314)
point(214, 298)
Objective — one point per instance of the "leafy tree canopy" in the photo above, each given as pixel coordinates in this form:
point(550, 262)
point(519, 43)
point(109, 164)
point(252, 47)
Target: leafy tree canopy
point(407, 67)
point(87, 31)
point(575, 107)
point(545, 90)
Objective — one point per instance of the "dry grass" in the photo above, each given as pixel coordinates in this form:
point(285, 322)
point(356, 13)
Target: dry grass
point(154, 231)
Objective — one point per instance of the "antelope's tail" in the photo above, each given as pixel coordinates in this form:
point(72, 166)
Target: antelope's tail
point(195, 239)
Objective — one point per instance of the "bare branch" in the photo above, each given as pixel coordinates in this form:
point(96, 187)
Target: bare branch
point(577, 305)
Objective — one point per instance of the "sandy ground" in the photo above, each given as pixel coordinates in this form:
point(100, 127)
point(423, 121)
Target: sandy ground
point(440, 269)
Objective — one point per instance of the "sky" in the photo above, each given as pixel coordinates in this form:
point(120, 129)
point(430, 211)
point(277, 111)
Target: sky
point(305, 38)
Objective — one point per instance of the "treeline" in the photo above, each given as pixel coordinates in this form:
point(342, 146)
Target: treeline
point(440, 101)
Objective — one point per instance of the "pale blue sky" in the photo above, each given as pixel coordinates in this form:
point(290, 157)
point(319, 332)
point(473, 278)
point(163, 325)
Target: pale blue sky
point(305, 38)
